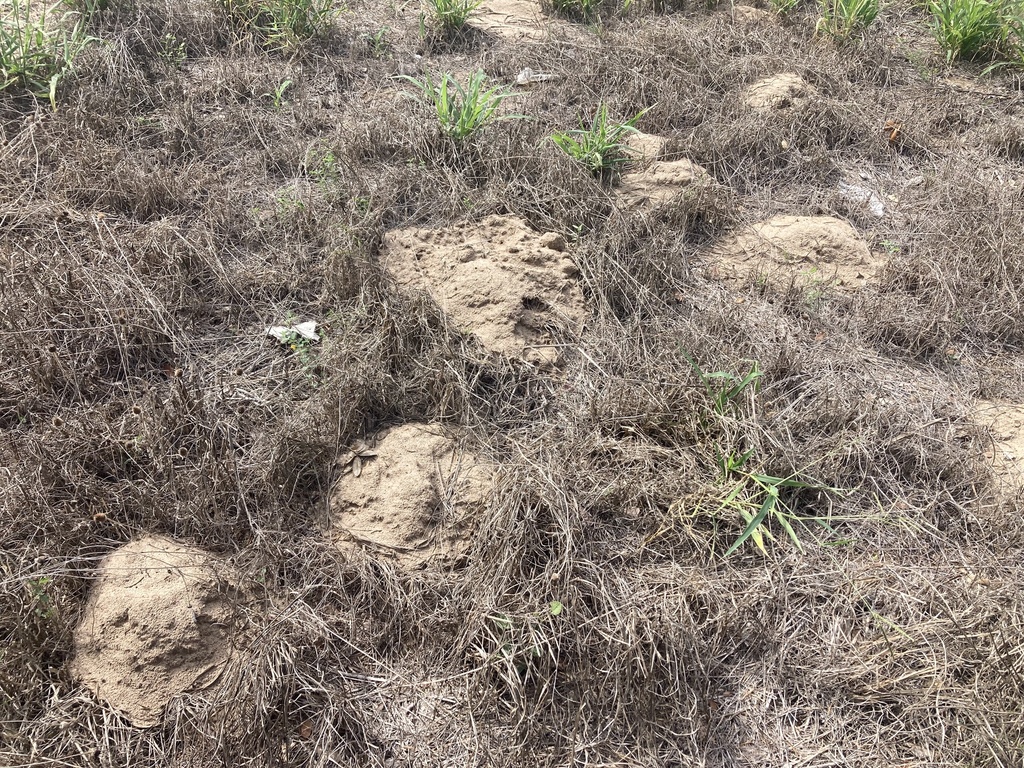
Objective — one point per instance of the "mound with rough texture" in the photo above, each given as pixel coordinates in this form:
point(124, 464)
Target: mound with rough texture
point(496, 279)
point(645, 147)
point(659, 182)
point(415, 497)
point(778, 92)
point(1005, 422)
point(815, 250)
point(155, 625)
point(515, 19)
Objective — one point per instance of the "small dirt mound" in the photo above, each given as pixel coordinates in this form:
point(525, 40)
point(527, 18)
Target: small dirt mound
point(778, 92)
point(155, 625)
point(645, 147)
point(659, 182)
point(497, 279)
point(514, 19)
point(816, 250)
point(415, 497)
point(749, 16)
point(1005, 422)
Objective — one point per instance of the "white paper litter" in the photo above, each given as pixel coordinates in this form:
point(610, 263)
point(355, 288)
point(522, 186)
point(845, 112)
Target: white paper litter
point(286, 333)
point(855, 193)
point(527, 76)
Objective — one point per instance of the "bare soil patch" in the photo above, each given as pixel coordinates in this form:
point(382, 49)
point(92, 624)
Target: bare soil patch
point(660, 181)
point(512, 19)
point(156, 625)
point(1005, 424)
point(511, 287)
point(415, 497)
point(778, 92)
point(812, 250)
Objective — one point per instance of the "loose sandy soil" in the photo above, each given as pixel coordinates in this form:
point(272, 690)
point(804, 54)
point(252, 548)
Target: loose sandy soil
point(416, 498)
point(156, 625)
point(510, 287)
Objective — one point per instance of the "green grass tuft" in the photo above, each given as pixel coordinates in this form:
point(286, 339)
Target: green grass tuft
point(35, 55)
point(461, 110)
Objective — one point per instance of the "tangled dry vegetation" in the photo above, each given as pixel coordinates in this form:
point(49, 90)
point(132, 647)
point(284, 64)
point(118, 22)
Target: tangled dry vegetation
point(480, 515)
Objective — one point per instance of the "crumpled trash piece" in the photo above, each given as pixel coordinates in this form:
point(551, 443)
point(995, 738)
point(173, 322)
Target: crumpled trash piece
point(527, 76)
point(286, 333)
point(855, 193)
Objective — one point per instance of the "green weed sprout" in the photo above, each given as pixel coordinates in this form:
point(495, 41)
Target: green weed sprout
point(841, 18)
point(975, 29)
point(461, 111)
point(757, 498)
point(600, 148)
point(453, 14)
point(36, 56)
point(581, 10)
point(282, 24)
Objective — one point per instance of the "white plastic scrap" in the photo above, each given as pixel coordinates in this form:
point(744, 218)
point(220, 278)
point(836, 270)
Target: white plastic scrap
point(528, 76)
point(286, 333)
point(858, 194)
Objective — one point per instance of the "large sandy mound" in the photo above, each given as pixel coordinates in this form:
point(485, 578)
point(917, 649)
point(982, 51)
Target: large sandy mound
point(496, 279)
point(659, 182)
point(778, 92)
point(1005, 422)
point(414, 497)
point(155, 625)
point(816, 250)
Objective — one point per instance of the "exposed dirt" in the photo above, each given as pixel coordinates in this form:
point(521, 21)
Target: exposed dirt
point(513, 19)
point(645, 147)
point(660, 181)
point(156, 625)
point(1005, 425)
point(812, 250)
point(511, 287)
point(749, 16)
point(777, 92)
point(416, 497)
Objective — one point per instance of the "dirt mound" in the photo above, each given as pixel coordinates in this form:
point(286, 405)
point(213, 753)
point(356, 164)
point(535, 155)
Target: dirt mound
point(1005, 422)
point(496, 279)
point(415, 497)
point(645, 147)
point(817, 250)
point(155, 625)
point(515, 19)
point(749, 16)
point(778, 92)
point(659, 182)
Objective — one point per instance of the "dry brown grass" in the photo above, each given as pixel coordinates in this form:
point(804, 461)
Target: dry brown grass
point(155, 225)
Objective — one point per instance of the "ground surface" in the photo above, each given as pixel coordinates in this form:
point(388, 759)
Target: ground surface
point(479, 516)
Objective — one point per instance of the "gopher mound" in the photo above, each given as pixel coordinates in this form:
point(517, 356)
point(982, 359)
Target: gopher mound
point(644, 147)
point(415, 497)
point(514, 19)
point(814, 250)
point(660, 182)
point(496, 279)
point(1005, 423)
point(155, 625)
point(778, 92)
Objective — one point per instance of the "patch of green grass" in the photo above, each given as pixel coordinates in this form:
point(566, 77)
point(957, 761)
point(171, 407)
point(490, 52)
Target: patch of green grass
point(461, 110)
point(978, 29)
point(453, 14)
point(601, 147)
point(579, 10)
point(36, 54)
point(281, 24)
point(842, 18)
